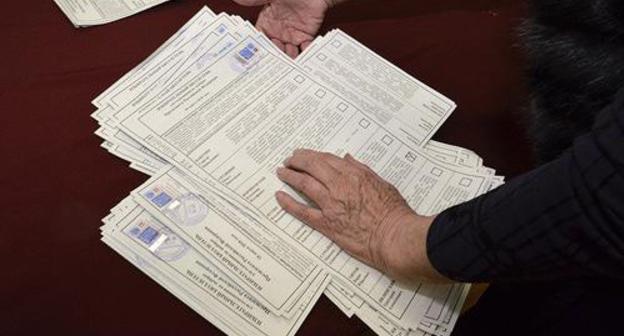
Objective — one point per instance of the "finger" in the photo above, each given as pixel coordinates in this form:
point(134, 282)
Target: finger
point(357, 163)
point(279, 44)
point(335, 161)
point(305, 45)
point(312, 217)
point(292, 50)
point(298, 37)
point(305, 183)
point(314, 163)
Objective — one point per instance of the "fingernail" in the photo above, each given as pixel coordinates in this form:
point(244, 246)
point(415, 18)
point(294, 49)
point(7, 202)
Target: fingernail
point(279, 195)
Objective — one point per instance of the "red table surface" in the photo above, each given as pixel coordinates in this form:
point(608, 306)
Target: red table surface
point(57, 183)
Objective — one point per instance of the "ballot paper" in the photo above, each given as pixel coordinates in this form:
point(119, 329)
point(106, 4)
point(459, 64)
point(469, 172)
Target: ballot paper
point(84, 13)
point(170, 259)
point(392, 97)
point(232, 140)
point(212, 113)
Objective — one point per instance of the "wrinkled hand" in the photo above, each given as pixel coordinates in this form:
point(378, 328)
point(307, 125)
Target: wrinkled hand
point(290, 24)
point(360, 212)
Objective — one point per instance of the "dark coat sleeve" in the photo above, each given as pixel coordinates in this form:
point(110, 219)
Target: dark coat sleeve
point(564, 219)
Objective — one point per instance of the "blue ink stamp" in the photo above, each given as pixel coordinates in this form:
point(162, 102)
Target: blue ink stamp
point(248, 52)
point(135, 231)
point(245, 58)
point(162, 199)
point(148, 235)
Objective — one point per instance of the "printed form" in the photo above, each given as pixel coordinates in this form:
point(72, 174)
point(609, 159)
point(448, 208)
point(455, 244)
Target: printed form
point(84, 13)
point(194, 278)
point(200, 29)
point(221, 104)
point(234, 123)
point(265, 264)
point(395, 99)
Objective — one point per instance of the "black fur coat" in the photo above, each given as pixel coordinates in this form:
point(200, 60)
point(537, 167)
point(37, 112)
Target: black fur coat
point(576, 50)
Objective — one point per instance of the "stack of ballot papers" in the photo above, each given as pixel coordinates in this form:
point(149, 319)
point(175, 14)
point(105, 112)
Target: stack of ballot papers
point(212, 113)
point(85, 13)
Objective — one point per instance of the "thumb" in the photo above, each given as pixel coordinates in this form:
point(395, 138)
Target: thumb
point(252, 2)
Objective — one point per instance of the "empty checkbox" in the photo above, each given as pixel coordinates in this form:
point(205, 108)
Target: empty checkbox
point(436, 172)
point(299, 79)
point(342, 107)
point(364, 123)
point(337, 44)
point(320, 93)
point(465, 182)
point(321, 57)
point(387, 140)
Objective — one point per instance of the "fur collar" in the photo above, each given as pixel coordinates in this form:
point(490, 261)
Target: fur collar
point(576, 54)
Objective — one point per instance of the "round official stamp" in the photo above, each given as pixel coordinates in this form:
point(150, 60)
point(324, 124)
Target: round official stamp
point(172, 249)
point(187, 210)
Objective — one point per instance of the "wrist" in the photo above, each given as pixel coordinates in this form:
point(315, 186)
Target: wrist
point(405, 252)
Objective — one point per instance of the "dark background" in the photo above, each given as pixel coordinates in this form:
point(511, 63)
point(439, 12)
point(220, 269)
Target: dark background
point(56, 277)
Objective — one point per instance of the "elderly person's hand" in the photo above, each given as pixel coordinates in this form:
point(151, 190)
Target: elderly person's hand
point(290, 24)
point(360, 212)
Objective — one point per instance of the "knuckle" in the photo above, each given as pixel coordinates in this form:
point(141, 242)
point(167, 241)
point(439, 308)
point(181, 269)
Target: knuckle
point(305, 215)
point(363, 171)
point(304, 152)
point(305, 183)
point(316, 160)
point(354, 178)
point(325, 156)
